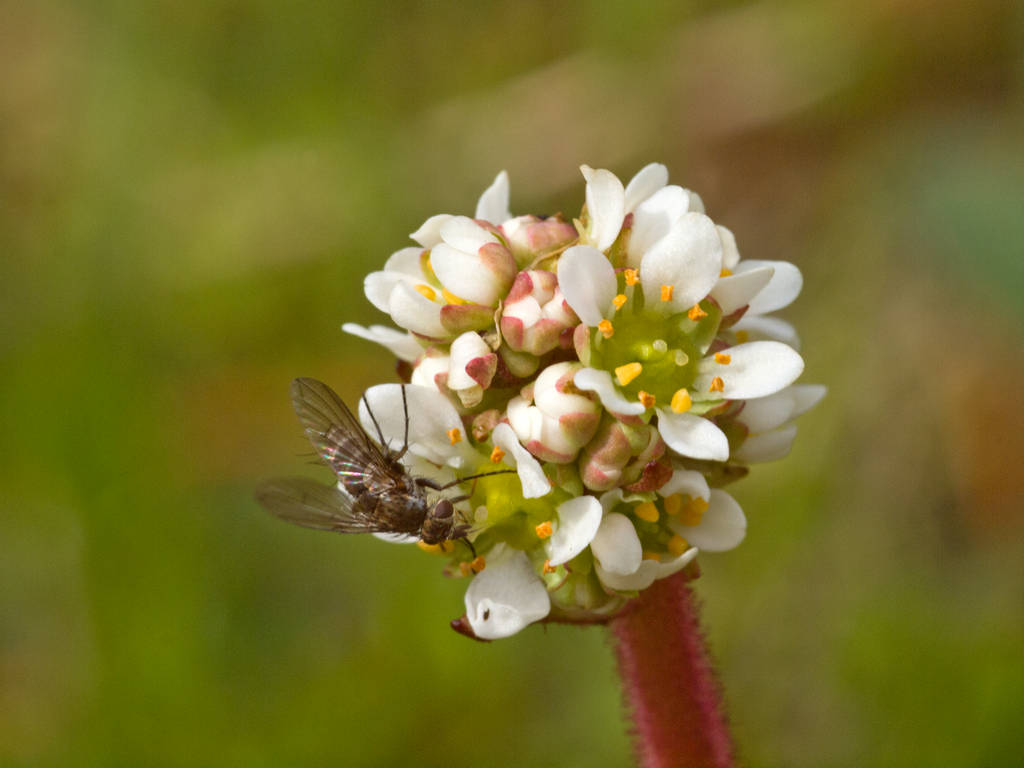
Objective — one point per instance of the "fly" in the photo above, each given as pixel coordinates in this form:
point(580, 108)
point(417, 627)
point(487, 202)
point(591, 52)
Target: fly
point(376, 493)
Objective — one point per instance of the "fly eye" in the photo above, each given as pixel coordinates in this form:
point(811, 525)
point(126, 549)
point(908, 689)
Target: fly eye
point(443, 509)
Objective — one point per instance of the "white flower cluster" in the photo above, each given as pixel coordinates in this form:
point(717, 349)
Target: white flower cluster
point(625, 364)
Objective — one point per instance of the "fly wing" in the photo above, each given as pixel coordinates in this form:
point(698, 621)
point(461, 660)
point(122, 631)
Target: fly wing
point(337, 434)
point(310, 504)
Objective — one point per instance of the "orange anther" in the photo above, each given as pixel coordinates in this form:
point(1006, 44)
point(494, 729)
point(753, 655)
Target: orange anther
point(478, 564)
point(717, 385)
point(544, 530)
point(454, 435)
point(696, 313)
point(646, 398)
point(722, 359)
point(497, 455)
point(619, 300)
point(666, 292)
point(606, 329)
point(632, 276)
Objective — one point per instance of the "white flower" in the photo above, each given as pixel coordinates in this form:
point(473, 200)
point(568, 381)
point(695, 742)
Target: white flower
point(535, 317)
point(506, 596)
point(769, 421)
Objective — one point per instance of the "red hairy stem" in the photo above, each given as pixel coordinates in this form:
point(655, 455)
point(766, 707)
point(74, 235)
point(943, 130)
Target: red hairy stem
point(670, 685)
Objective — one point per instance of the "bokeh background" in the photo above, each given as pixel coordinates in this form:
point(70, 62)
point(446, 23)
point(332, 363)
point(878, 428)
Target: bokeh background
point(190, 195)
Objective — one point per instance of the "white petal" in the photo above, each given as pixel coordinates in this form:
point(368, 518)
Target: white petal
point(402, 345)
point(645, 575)
point(765, 413)
point(696, 203)
point(596, 380)
point(606, 206)
point(654, 218)
point(427, 370)
point(397, 538)
point(531, 474)
point(616, 545)
point(689, 258)
point(465, 275)
point(378, 287)
point(464, 234)
point(730, 253)
point(768, 446)
point(722, 527)
point(784, 287)
point(431, 416)
point(693, 436)
point(493, 203)
point(578, 520)
point(738, 290)
point(406, 261)
point(415, 312)
point(647, 181)
point(686, 481)
point(587, 280)
point(429, 233)
point(464, 350)
point(759, 327)
point(506, 596)
point(756, 369)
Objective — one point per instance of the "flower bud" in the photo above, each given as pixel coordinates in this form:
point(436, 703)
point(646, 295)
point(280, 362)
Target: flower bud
point(472, 367)
point(616, 444)
point(560, 420)
point(530, 238)
point(431, 370)
point(535, 317)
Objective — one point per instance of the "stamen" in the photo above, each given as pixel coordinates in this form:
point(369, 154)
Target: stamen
point(544, 530)
point(426, 291)
point(655, 556)
point(626, 373)
point(717, 385)
point(619, 300)
point(451, 298)
point(677, 545)
point(632, 276)
point(681, 401)
point(742, 336)
point(726, 272)
point(478, 564)
point(606, 329)
point(681, 357)
point(454, 435)
point(464, 568)
point(693, 511)
point(660, 345)
point(673, 504)
point(646, 398)
point(647, 511)
point(696, 313)
point(548, 567)
point(666, 292)
point(722, 359)
point(497, 455)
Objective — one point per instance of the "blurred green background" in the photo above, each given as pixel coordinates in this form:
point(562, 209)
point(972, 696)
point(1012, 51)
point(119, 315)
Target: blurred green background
point(190, 195)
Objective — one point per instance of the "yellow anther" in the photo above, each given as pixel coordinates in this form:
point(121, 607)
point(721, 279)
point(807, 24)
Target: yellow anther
point(646, 398)
point(666, 292)
point(606, 329)
point(548, 567)
point(619, 300)
point(544, 530)
point(626, 373)
point(722, 359)
point(726, 272)
point(647, 511)
point(632, 276)
point(717, 385)
point(681, 401)
point(464, 568)
point(693, 511)
point(478, 564)
point(673, 504)
point(497, 455)
point(454, 435)
point(655, 556)
point(432, 548)
point(426, 291)
point(451, 298)
point(677, 545)
point(696, 313)
point(742, 337)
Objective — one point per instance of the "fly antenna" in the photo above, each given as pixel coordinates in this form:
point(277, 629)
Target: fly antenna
point(369, 410)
